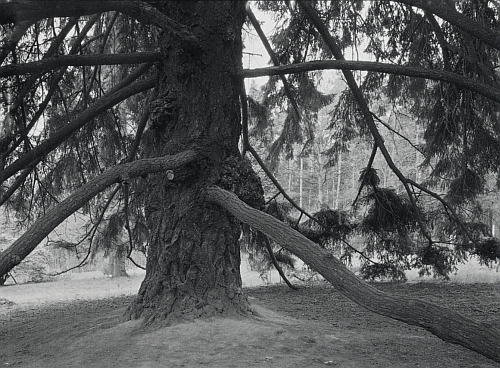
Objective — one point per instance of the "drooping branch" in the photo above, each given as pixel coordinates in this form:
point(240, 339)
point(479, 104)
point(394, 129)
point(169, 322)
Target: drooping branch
point(24, 245)
point(444, 323)
point(274, 59)
point(409, 71)
point(24, 130)
point(79, 60)
point(276, 264)
point(33, 10)
point(18, 182)
point(363, 107)
point(368, 167)
point(450, 14)
point(54, 46)
point(58, 137)
point(147, 14)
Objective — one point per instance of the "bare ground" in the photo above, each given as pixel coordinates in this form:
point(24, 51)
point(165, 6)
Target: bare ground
point(313, 327)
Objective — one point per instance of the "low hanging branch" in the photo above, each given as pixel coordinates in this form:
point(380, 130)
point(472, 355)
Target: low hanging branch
point(21, 10)
point(91, 234)
point(10, 42)
point(450, 14)
point(25, 244)
point(446, 324)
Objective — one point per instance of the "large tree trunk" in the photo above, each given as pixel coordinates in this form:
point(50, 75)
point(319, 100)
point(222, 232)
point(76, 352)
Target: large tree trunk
point(193, 266)
point(444, 323)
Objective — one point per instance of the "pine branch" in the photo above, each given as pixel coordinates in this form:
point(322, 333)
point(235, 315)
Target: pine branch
point(451, 15)
point(409, 71)
point(18, 182)
point(79, 60)
point(363, 106)
point(368, 167)
point(276, 264)
point(92, 231)
point(274, 59)
point(33, 10)
point(62, 134)
point(50, 52)
point(23, 131)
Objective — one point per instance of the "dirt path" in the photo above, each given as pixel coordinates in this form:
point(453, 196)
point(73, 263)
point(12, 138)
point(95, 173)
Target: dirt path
point(313, 327)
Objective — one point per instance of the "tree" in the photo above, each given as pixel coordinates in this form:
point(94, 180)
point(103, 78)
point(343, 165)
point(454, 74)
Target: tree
point(175, 158)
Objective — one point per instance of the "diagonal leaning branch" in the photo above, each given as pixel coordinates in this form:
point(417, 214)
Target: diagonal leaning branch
point(49, 144)
point(444, 323)
point(24, 245)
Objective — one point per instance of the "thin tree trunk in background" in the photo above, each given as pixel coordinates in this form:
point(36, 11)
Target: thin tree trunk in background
point(320, 180)
point(301, 177)
point(339, 176)
point(290, 176)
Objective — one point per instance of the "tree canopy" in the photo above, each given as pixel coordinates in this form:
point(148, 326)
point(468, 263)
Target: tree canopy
point(135, 113)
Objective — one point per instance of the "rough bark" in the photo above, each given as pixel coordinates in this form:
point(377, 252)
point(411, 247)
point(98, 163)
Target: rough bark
point(193, 266)
point(25, 244)
point(444, 323)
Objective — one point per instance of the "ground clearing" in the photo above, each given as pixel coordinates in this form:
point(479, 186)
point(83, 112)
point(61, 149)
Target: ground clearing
point(42, 325)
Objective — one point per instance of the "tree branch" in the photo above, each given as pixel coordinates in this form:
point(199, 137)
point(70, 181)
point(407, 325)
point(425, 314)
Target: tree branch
point(24, 245)
point(274, 58)
point(276, 264)
point(79, 60)
point(409, 71)
point(444, 323)
point(454, 17)
point(58, 137)
point(33, 10)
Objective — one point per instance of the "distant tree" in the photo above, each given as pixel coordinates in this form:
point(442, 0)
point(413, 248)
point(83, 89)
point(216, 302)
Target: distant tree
point(69, 140)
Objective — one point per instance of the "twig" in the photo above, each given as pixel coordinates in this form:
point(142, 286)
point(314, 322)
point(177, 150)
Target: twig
point(276, 264)
point(370, 163)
